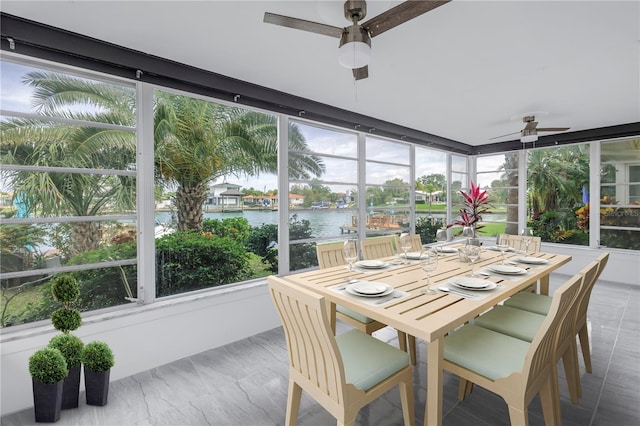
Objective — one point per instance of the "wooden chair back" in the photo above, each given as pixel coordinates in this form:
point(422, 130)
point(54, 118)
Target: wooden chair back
point(595, 272)
point(517, 242)
point(316, 363)
point(377, 247)
point(314, 358)
point(416, 243)
point(539, 359)
point(330, 254)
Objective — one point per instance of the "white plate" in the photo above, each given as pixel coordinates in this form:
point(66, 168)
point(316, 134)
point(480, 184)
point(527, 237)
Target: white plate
point(371, 264)
point(447, 250)
point(495, 248)
point(415, 255)
point(531, 260)
point(367, 287)
point(470, 282)
point(361, 284)
point(461, 281)
point(507, 269)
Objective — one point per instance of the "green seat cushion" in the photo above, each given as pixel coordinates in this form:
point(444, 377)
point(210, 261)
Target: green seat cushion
point(511, 321)
point(353, 314)
point(485, 352)
point(531, 302)
point(367, 360)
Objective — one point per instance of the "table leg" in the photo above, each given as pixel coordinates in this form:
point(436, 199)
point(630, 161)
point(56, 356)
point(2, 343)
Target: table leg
point(544, 285)
point(435, 379)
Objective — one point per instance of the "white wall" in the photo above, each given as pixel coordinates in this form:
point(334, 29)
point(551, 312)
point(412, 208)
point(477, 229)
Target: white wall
point(146, 337)
point(150, 336)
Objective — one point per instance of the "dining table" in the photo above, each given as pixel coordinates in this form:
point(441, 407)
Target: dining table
point(430, 317)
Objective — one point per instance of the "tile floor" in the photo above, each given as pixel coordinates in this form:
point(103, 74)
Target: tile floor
point(245, 383)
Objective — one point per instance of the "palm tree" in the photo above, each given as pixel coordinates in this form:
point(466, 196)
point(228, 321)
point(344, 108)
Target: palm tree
point(198, 142)
point(556, 177)
point(49, 143)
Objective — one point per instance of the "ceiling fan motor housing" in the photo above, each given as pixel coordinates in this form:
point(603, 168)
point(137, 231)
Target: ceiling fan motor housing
point(355, 10)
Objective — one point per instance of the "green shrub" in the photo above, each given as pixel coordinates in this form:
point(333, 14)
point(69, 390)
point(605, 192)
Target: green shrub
point(70, 346)
point(237, 228)
point(102, 288)
point(188, 260)
point(427, 230)
point(97, 356)
point(66, 320)
point(64, 288)
point(47, 365)
point(263, 242)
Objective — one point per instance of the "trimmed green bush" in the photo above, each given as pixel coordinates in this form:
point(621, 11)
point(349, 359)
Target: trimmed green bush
point(97, 356)
point(70, 346)
point(237, 228)
point(66, 320)
point(47, 365)
point(65, 289)
point(189, 260)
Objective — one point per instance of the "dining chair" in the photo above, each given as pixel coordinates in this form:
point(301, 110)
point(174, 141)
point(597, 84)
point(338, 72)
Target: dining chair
point(329, 255)
point(540, 304)
point(517, 242)
point(377, 247)
point(416, 243)
point(342, 373)
point(524, 325)
point(514, 369)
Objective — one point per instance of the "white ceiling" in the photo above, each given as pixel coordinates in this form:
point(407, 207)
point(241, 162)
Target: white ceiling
point(461, 71)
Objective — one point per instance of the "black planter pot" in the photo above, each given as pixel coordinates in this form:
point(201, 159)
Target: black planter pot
point(96, 386)
point(71, 389)
point(47, 401)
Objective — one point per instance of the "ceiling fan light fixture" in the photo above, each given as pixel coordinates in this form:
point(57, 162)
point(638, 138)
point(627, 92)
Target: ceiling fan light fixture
point(528, 138)
point(355, 48)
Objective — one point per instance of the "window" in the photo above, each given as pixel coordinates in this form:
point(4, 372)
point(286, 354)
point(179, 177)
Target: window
point(620, 194)
point(68, 185)
point(323, 205)
point(388, 187)
point(557, 188)
point(430, 193)
point(213, 228)
point(498, 175)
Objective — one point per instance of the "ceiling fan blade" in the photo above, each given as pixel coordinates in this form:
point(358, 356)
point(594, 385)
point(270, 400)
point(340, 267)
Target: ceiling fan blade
point(553, 129)
point(508, 134)
point(399, 15)
point(301, 24)
point(361, 73)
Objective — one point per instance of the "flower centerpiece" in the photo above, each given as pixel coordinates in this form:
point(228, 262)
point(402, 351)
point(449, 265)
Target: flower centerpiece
point(476, 203)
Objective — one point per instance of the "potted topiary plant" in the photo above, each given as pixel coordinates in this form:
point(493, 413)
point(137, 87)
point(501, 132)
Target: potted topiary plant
point(98, 360)
point(64, 288)
point(71, 348)
point(48, 370)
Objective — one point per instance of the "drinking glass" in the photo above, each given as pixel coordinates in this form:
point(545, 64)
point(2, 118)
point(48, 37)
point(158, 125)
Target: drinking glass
point(405, 245)
point(468, 232)
point(429, 264)
point(472, 250)
point(350, 252)
point(527, 234)
point(503, 248)
point(441, 237)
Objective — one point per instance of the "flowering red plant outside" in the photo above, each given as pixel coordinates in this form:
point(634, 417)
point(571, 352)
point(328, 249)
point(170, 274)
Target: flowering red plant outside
point(476, 203)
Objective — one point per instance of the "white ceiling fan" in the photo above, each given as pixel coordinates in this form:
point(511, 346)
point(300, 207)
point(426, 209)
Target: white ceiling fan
point(355, 40)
